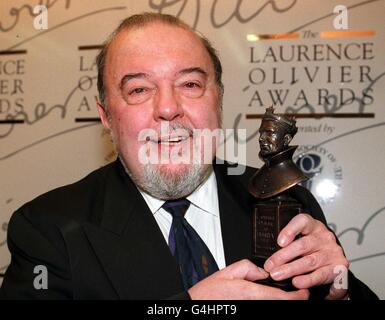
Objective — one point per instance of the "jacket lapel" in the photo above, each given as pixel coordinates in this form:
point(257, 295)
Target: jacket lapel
point(132, 249)
point(130, 245)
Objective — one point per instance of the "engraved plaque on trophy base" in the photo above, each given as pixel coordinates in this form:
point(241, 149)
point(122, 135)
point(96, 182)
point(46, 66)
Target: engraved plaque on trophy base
point(269, 217)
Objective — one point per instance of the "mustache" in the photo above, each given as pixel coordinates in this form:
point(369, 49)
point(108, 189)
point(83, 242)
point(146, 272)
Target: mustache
point(176, 126)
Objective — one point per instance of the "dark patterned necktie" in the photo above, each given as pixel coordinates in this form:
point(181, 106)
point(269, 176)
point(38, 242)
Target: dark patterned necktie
point(194, 258)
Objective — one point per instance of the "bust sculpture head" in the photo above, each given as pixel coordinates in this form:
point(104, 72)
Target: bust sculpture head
point(276, 132)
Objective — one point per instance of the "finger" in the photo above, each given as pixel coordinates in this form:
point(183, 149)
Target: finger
point(336, 294)
point(245, 270)
point(271, 293)
point(297, 248)
point(320, 276)
point(302, 294)
point(277, 294)
point(300, 266)
point(300, 224)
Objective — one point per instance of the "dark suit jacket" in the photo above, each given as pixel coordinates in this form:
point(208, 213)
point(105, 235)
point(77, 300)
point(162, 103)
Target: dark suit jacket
point(99, 240)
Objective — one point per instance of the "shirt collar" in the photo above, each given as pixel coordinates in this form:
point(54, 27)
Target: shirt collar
point(204, 197)
point(153, 203)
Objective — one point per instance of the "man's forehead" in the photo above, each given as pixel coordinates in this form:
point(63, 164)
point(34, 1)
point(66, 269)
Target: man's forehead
point(156, 33)
point(157, 42)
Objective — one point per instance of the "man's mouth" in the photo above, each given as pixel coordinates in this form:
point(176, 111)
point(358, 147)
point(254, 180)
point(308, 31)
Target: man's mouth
point(172, 140)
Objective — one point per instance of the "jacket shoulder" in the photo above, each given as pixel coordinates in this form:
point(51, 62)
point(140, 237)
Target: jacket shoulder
point(74, 201)
point(235, 173)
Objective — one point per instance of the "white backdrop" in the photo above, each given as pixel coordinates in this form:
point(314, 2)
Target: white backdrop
point(47, 85)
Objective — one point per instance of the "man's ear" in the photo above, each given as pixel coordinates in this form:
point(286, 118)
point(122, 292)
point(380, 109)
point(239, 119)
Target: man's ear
point(287, 138)
point(103, 113)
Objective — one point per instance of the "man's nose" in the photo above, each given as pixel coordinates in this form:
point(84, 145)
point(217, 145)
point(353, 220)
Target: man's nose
point(167, 105)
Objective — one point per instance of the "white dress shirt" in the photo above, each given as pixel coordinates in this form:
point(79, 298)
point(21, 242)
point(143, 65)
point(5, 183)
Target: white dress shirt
point(202, 215)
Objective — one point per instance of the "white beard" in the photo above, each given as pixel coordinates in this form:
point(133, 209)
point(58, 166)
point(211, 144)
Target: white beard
point(166, 184)
point(171, 185)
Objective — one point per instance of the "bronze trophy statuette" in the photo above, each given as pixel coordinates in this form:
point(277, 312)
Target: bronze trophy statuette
point(274, 208)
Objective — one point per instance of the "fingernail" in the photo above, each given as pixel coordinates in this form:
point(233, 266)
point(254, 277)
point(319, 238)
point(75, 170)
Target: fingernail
point(263, 271)
point(282, 241)
point(297, 283)
point(269, 265)
point(276, 275)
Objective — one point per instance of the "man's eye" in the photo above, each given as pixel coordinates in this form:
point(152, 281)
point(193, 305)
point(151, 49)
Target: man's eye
point(137, 91)
point(192, 89)
point(192, 85)
point(137, 95)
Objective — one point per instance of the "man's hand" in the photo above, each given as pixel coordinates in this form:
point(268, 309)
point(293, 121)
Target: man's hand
point(317, 252)
point(235, 283)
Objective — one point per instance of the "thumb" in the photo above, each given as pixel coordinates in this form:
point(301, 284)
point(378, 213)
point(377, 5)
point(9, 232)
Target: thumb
point(244, 270)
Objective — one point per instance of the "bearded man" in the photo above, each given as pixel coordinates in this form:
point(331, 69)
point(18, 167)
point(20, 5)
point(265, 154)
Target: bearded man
point(138, 229)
